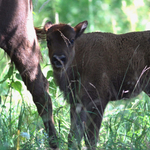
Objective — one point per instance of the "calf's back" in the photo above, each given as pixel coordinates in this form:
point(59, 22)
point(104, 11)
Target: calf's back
point(111, 64)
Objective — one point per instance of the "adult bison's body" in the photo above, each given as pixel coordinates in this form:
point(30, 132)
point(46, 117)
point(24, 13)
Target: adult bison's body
point(95, 68)
point(18, 39)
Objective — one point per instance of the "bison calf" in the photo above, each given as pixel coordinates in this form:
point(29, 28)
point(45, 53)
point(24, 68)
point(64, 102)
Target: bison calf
point(94, 68)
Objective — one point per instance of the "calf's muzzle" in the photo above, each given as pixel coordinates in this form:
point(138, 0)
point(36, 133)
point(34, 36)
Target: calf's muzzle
point(59, 61)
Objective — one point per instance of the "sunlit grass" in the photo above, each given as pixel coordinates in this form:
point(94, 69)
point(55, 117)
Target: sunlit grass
point(126, 124)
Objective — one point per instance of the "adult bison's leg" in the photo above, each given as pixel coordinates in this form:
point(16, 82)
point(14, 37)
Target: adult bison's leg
point(38, 89)
point(26, 60)
point(18, 39)
point(27, 63)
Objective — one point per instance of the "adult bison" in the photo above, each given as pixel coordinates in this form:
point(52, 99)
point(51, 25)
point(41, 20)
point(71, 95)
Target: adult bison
point(95, 68)
point(18, 39)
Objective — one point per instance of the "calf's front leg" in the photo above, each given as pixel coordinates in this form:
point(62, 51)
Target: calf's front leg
point(86, 120)
point(78, 119)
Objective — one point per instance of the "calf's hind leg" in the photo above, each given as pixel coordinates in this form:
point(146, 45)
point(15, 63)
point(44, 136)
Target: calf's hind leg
point(94, 119)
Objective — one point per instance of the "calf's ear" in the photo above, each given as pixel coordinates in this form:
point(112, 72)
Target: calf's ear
point(47, 26)
point(79, 28)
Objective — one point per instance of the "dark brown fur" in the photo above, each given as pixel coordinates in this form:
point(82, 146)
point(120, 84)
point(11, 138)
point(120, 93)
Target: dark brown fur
point(18, 39)
point(94, 69)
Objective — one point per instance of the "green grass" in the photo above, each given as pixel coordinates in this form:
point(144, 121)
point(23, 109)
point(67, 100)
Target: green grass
point(126, 124)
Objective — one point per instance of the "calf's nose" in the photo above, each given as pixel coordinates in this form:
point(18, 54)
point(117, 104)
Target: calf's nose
point(59, 61)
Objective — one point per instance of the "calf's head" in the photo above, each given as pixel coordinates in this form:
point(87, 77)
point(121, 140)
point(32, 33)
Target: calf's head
point(61, 43)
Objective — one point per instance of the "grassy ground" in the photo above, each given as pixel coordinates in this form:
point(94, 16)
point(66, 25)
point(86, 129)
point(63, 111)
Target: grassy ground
point(126, 124)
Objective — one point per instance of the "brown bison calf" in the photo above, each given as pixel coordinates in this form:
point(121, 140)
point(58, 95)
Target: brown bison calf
point(95, 68)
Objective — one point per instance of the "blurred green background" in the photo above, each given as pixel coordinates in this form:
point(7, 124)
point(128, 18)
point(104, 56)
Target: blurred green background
point(116, 16)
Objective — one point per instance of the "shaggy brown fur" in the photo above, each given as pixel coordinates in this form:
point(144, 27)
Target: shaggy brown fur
point(95, 68)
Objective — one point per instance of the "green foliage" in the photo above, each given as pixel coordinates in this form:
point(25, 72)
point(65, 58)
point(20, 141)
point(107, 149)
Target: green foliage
point(102, 15)
point(8, 75)
point(126, 125)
